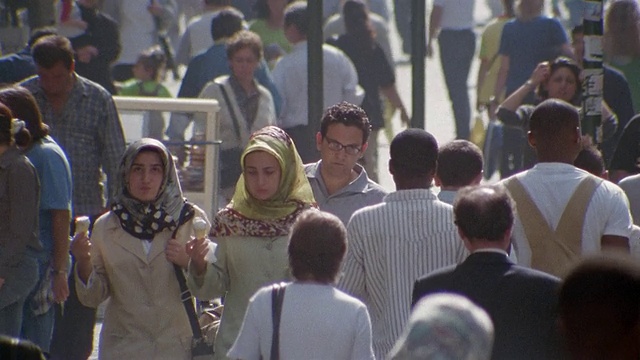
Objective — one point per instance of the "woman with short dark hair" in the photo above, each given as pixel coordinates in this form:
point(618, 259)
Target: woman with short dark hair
point(318, 321)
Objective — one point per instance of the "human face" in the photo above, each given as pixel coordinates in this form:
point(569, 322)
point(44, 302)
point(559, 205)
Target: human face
point(243, 64)
point(55, 81)
point(562, 85)
point(141, 73)
point(338, 162)
point(262, 174)
point(145, 176)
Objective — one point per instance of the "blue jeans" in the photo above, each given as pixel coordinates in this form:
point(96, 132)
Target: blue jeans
point(13, 294)
point(402, 14)
point(38, 327)
point(457, 48)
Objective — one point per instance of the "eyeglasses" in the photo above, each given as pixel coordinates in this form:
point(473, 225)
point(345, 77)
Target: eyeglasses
point(336, 146)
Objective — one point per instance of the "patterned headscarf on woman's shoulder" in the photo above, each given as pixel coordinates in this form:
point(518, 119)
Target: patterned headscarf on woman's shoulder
point(247, 216)
point(144, 220)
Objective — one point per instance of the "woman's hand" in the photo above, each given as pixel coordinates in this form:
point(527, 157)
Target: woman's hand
point(176, 253)
point(81, 247)
point(197, 249)
point(540, 74)
point(81, 251)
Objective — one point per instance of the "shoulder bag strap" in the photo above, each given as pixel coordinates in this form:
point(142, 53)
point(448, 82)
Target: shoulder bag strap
point(277, 297)
point(185, 294)
point(234, 119)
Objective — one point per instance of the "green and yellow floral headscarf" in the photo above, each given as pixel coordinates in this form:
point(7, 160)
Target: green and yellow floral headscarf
point(248, 216)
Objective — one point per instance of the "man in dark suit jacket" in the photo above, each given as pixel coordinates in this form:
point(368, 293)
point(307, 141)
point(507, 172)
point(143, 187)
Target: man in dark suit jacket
point(521, 302)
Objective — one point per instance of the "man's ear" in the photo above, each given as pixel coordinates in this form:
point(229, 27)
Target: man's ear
point(391, 171)
point(436, 180)
point(477, 179)
point(363, 149)
point(73, 66)
point(531, 139)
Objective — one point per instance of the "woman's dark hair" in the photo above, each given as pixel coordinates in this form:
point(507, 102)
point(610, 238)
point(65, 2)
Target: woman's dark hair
point(244, 39)
point(317, 245)
point(261, 9)
point(22, 138)
point(559, 63)
point(24, 107)
point(153, 60)
point(356, 21)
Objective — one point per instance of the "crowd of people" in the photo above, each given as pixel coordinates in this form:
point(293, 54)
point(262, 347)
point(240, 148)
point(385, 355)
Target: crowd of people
point(309, 255)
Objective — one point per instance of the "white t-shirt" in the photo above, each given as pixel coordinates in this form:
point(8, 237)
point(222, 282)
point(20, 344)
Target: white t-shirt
point(551, 185)
point(318, 322)
point(457, 14)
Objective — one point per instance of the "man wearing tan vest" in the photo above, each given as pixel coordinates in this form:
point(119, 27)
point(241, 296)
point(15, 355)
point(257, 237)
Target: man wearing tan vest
point(563, 212)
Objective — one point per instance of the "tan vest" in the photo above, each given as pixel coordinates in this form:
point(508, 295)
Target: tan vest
point(553, 251)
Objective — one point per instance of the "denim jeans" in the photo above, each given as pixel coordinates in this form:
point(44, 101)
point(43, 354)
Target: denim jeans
point(38, 327)
point(457, 48)
point(402, 14)
point(13, 294)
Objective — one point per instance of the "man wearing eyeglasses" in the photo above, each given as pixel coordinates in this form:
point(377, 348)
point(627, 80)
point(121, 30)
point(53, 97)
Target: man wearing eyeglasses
point(340, 185)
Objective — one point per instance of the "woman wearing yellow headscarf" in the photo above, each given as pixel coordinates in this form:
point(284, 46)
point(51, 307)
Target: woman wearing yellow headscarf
point(251, 232)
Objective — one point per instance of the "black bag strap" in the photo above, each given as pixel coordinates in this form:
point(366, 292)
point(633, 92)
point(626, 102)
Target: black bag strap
point(236, 126)
point(185, 295)
point(277, 297)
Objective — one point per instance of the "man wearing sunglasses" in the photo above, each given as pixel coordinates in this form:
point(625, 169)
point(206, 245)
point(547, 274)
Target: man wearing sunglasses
point(340, 185)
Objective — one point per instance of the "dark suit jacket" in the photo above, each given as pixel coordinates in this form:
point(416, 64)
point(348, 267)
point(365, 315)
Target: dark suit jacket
point(521, 302)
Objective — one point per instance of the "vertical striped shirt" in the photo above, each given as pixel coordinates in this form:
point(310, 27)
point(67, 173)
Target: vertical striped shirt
point(391, 244)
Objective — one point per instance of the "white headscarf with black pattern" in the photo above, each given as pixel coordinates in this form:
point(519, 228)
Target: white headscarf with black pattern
point(145, 219)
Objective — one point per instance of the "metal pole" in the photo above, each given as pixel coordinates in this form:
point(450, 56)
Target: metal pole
point(418, 53)
point(315, 71)
point(593, 72)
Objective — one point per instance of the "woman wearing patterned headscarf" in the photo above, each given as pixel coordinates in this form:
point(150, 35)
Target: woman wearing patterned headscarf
point(251, 232)
point(19, 192)
point(130, 258)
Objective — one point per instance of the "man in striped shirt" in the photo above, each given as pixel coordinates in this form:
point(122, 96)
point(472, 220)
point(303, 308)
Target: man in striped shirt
point(393, 243)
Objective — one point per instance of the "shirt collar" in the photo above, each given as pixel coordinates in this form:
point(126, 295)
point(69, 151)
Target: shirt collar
point(358, 185)
point(412, 195)
point(491, 250)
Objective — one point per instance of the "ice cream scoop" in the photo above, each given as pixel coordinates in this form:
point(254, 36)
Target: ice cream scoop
point(199, 228)
point(82, 224)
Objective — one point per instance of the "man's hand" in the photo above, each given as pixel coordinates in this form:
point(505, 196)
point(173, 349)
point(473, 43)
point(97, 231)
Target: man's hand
point(60, 287)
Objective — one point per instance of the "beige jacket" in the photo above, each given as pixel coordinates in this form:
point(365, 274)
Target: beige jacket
point(244, 265)
point(144, 318)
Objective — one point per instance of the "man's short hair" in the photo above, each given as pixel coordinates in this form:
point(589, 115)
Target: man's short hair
point(590, 160)
point(414, 152)
point(218, 2)
point(244, 39)
point(599, 304)
point(484, 212)
point(296, 14)
point(552, 117)
point(38, 33)
point(226, 23)
point(459, 163)
point(52, 49)
point(317, 245)
point(346, 114)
